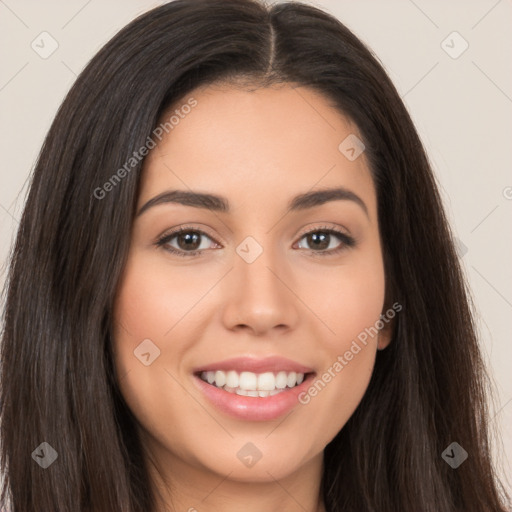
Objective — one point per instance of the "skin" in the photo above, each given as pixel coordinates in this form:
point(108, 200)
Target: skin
point(258, 149)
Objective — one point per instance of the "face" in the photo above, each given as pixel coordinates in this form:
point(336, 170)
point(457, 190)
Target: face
point(268, 295)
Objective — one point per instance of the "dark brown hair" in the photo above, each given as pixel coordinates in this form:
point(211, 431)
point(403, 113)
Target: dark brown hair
point(58, 384)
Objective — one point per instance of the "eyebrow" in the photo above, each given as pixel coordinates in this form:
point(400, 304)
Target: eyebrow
point(221, 204)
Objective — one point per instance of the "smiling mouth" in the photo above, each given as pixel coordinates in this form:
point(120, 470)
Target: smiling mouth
point(253, 384)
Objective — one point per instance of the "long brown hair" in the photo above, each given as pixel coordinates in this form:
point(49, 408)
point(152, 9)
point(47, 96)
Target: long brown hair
point(58, 384)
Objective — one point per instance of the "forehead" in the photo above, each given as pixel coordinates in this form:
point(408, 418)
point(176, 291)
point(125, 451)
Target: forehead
point(267, 143)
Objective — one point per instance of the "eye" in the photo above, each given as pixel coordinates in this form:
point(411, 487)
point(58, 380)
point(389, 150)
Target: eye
point(188, 241)
point(322, 238)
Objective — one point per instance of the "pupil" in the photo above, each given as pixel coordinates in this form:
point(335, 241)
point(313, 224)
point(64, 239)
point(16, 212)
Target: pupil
point(316, 238)
point(191, 240)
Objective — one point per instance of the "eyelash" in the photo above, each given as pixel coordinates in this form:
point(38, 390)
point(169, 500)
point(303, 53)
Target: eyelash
point(347, 241)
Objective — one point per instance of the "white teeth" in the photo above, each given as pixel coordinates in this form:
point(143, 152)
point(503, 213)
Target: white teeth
point(248, 380)
point(281, 380)
point(232, 379)
point(252, 384)
point(220, 379)
point(292, 379)
point(266, 381)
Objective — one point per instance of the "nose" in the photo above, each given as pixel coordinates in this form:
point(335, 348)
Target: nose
point(259, 295)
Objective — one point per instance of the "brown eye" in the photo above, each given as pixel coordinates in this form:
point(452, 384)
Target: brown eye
point(187, 242)
point(322, 241)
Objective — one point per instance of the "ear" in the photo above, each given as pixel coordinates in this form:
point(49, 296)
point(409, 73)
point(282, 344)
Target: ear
point(389, 319)
point(386, 335)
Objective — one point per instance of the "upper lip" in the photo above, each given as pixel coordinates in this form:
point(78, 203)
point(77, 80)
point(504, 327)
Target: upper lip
point(256, 365)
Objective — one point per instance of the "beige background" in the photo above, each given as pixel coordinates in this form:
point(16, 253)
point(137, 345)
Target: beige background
point(461, 106)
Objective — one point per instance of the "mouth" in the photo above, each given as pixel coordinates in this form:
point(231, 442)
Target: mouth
point(251, 395)
point(251, 388)
point(250, 384)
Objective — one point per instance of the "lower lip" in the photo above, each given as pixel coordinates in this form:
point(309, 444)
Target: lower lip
point(253, 408)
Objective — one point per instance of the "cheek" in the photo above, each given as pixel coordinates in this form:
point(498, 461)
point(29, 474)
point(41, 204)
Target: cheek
point(349, 304)
point(357, 303)
point(145, 313)
point(348, 299)
point(146, 303)
point(149, 312)
point(155, 301)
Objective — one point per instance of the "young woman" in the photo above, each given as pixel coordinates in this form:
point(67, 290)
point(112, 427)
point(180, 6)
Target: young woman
point(234, 286)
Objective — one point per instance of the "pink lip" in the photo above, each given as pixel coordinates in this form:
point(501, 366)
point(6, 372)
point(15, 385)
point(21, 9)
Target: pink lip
point(253, 408)
point(255, 365)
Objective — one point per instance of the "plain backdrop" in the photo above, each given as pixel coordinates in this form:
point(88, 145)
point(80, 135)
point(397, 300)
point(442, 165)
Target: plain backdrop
point(450, 61)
